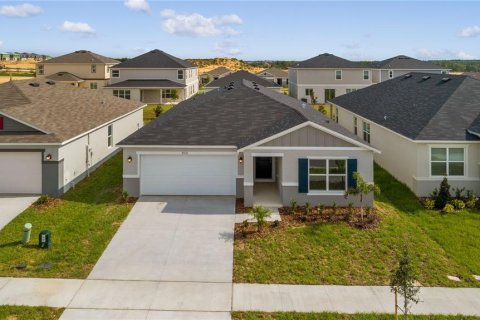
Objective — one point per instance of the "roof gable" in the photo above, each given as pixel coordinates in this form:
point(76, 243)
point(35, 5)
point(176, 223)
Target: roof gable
point(328, 60)
point(81, 56)
point(407, 63)
point(155, 59)
point(238, 77)
point(274, 72)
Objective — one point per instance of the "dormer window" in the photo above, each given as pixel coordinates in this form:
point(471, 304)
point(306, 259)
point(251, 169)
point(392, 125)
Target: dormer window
point(180, 74)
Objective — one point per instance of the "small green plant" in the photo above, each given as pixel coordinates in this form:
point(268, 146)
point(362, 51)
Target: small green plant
point(42, 200)
point(245, 223)
point(429, 204)
point(334, 207)
point(294, 206)
point(158, 111)
point(276, 223)
point(124, 195)
point(260, 214)
point(458, 204)
point(448, 208)
point(320, 208)
point(443, 195)
point(458, 193)
point(471, 202)
point(308, 208)
point(351, 209)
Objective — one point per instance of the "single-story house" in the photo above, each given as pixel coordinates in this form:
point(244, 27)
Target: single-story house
point(238, 77)
point(214, 74)
point(425, 125)
point(249, 142)
point(52, 135)
point(275, 75)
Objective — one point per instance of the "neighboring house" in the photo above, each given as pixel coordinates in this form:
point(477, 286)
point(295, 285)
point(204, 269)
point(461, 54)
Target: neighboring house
point(52, 135)
point(214, 74)
point(237, 77)
point(81, 68)
point(154, 77)
point(275, 75)
point(474, 75)
point(10, 56)
point(250, 142)
point(328, 76)
point(426, 126)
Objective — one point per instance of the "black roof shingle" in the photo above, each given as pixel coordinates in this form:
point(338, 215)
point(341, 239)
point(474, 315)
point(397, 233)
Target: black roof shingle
point(155, 59)
point(238, 77)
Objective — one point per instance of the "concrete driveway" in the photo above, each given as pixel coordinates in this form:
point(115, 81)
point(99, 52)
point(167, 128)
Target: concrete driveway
point(172, 238)
point(11, 206)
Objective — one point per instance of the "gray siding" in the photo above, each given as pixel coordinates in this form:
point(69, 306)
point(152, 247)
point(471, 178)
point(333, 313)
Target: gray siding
point(10, 125)
point(308, 137)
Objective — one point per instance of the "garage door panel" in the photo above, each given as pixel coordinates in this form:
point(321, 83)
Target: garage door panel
point(188, 175)
point(21, 172)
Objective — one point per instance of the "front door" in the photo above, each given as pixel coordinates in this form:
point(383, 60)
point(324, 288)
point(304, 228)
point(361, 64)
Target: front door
point(279, 81)
point(264, 168)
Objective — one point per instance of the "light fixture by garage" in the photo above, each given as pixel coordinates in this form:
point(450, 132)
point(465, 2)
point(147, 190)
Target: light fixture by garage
point(129, 159)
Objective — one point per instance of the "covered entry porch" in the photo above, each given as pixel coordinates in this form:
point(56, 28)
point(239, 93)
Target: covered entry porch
point(162, 95)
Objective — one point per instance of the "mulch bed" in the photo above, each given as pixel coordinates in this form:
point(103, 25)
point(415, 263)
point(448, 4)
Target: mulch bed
point(239, 206)
point(350, 216)
point(48, 203)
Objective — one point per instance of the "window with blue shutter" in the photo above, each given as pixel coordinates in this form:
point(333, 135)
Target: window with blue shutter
point(352, 167)
point(302, 175)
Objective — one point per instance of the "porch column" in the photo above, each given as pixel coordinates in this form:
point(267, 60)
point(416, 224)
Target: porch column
point(161, 100)
point(248, 178)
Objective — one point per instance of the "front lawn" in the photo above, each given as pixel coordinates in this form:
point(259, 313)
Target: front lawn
point(29, 313)
point(335, 316)
point(149, 111)
point(82, 224)
point(325, 253)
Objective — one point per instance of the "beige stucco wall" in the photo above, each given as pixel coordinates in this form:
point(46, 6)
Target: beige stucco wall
point(327, 77)
point(81, 70)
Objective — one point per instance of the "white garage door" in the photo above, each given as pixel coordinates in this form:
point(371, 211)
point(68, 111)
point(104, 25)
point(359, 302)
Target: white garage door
point(21, 172)
point(187, 174)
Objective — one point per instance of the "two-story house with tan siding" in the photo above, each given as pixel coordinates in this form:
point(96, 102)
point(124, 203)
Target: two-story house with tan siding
point(328, 76)
point(154, 77)
point(81, 68)
point(427, 126)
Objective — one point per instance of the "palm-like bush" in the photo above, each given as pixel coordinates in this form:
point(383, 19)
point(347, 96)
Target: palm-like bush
point(260, 214)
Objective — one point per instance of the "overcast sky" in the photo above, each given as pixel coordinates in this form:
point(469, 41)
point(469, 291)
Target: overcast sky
point(248, 30)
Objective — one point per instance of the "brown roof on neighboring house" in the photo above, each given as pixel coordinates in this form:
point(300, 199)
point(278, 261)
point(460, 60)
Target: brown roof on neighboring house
point(81, 56)
point(474, 75)
point(58, 111)
point(218, 71)
point(274, 72)
point(64, 76)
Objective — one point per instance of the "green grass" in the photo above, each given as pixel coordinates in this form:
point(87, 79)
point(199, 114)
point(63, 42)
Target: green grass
point(335, 316)
point(82, 225)
point(339, 254)
point(149, 111)
point(29, 313)
point(17, 74)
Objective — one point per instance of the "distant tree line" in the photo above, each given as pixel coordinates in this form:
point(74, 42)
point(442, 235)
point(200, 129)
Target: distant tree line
point(459, 65)
point(279, 64)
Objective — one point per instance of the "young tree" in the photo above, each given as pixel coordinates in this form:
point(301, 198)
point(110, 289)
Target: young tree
point(403, 282)
point(260, 214)
point(313, 99)
point(362, 190)
point(443, 195)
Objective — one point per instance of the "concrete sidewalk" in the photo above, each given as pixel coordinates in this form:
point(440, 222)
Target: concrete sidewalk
point(113, 299)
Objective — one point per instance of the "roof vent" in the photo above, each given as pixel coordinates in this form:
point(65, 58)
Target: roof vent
point(50, 82)
point(426, 77)
point(446, 79)
point(34, 84)
point(407, 76)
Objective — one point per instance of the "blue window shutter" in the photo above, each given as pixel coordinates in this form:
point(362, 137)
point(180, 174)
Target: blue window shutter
point(302, 175)
point(352, 167)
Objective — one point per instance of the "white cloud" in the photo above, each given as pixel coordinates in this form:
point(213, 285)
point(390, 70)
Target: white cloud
point(470, 32)
point(77, 27)
point(197, 25)
point(227, 47)
point(429, 54)
point(138, 5)
point(20, 10)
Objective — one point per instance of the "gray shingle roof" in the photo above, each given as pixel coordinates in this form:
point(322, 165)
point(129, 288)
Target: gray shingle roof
point(474, 75)
point(64, 76)
point(407, 63)
point(62, 111)
point(328, 60)
point(420, 107)
point(274, 72)
point(220, 71)
point(81, 56)
point(147, 83)
point(236, 117)
point(238, 77)
point(155, 59)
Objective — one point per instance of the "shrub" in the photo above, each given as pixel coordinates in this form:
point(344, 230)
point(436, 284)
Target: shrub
point(334, 207)
point(158, 111)
point(320, 208)
point(448, 208)
point(458, 204)
point(443, 194)
point(471, 202)
point(458, 193)
point(245, 223)
point(308, 208)
point(260, 214)
point(42, 200)
point(276, 223)
point(293, 205)
point(429, 204)
point(124, 195)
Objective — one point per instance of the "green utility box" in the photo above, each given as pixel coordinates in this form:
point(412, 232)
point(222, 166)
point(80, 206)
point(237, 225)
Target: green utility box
point(45, 239)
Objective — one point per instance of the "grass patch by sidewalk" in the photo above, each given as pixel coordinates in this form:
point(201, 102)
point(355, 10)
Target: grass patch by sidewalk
point(336, 316)
point(82, 224)
point(149, 111)
point(338, 254)
point(29, 313)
